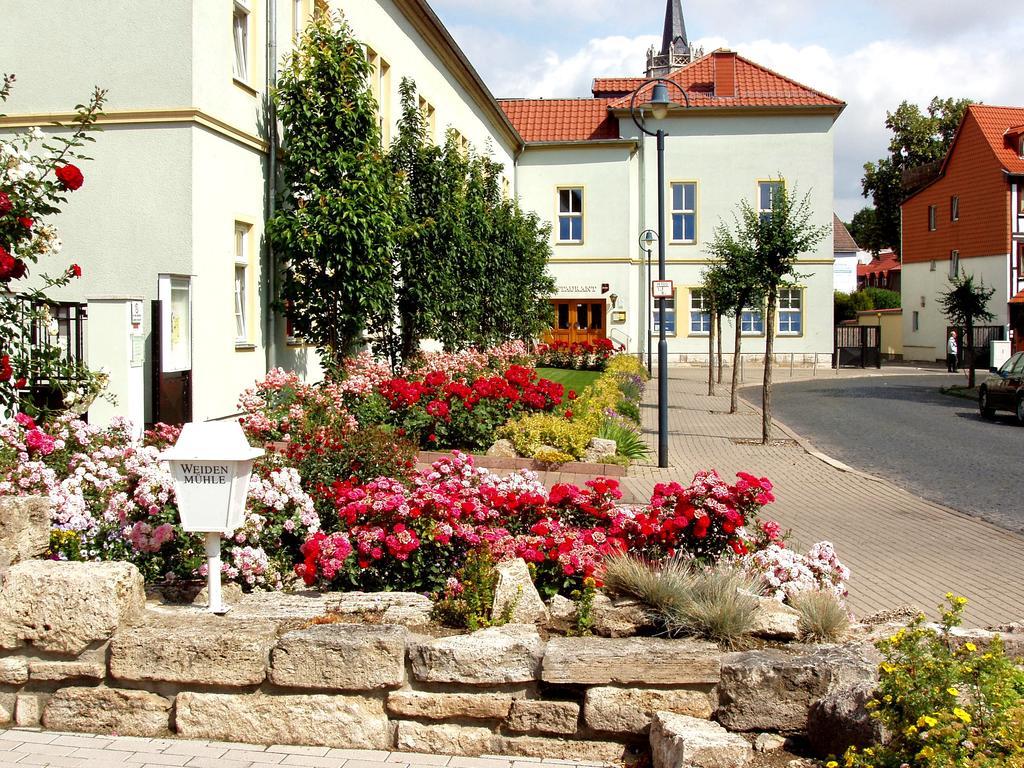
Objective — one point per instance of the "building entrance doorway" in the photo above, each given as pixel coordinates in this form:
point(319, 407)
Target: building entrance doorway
point(579, 320)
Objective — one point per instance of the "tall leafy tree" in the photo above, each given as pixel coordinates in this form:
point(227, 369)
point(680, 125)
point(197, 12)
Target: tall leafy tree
point(964, 303)
point(864, 230)
point(918, 138)
point(333, 231)
point(716, 294)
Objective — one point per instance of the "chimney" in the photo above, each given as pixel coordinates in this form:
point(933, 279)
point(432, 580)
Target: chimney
point(724, 65)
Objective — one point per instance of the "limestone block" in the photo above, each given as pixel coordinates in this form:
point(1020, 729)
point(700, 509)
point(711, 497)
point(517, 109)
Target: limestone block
point(598, 448)
point(7, 704)
point(841, 719)
point(13, 670)
point(66, 670)
point(203, 650)
point(362, 602)
point(773, 691)
point(775, 620)
point(543, 716)
point(346, 722)
point(406, 616)
point(769, 742)
point(24, 528)
point(630, 710)
point(443, 706)
point(515, 588)
point(552, 748)
point(63, 607)
point(27, 710)
point(230, 594)
point(502, 449)
point(508, 654)
point(446, 739)
point(562, 613)
point(341, 657)
point(678, 740)
point(641, 660)
point(619, 617)
point(108, 710)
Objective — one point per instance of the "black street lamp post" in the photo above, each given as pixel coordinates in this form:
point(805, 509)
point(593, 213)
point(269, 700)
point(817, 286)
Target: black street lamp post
point(659, 105)
point(647, 239)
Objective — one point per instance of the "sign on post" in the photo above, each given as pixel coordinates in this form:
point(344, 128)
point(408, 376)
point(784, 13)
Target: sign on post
point(211, 464)
point(662, 289)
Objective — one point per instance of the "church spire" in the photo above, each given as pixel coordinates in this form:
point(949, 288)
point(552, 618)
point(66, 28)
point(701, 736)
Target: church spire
point(674, 37)
point(675, 47)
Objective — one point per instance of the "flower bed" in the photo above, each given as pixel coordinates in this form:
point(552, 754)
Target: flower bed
point(579, 355)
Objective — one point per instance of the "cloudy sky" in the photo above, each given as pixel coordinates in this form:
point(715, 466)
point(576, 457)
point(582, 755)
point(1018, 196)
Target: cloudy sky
point(873, 54)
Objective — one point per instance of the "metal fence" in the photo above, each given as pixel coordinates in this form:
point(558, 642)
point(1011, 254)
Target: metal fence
point(979, 344)
point(857, 346)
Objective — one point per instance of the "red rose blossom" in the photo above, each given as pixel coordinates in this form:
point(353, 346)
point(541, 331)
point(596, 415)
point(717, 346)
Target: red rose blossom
point(69, 176)
point(5, 204)
point(75, 271)
point(26, 222)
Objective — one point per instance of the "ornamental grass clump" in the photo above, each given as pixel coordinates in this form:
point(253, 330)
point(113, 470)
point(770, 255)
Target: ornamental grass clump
point(944, 703)
point(823, 618)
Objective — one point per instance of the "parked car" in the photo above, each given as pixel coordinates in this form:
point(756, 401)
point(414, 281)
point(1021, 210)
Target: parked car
point(1004, 390)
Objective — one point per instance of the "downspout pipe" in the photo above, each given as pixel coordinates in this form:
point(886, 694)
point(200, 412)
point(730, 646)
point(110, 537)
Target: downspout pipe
point(271, 203)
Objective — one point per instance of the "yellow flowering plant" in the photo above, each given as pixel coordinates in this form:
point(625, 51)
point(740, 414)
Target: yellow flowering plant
point(943, 702)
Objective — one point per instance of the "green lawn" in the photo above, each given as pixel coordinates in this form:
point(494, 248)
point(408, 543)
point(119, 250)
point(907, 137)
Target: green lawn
point(575, 380)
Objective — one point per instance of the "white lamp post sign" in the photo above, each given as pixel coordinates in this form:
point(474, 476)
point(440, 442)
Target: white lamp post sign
point(211, 464)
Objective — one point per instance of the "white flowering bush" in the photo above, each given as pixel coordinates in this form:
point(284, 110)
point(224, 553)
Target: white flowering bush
point(36, 174)
point(113, 499)
point(785, 573)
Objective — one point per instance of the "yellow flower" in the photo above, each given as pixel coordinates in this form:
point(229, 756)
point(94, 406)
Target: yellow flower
point(887, 667)
point(887, 699)
point(911, 730)
point(926, 753)
point(831, 764)
point(952, 691)
point(926, 721)
point(965, 716)
point(970, 647)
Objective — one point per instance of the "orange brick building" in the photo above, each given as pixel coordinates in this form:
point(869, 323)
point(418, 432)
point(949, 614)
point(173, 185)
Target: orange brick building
point(969, 219)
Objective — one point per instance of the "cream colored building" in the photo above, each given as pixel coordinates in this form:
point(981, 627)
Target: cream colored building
point(175, 200)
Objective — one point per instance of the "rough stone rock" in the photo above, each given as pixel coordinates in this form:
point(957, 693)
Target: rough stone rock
point(640, 660)
point(515, 588)
point(27, 710)
point(7, 703)
point(280, 607)
point(108, 710)
point(13, 670)
point(502, 449)
point(508, 654)
point(678, 740)
point(841, 719)
point(442, 706)
point(363, 602)
point(630, 710)
point(24, 528)
point(769, 742)
point(618, 617)
point(552, 748)
point(230, 594)
point(347, 722)
point(561, 613)
point(774, 691)
point(446, 739)
point(543, 716)
point(775, 620)
point(341, 657)
point(406, 616)
point(66, 670)
point(204, 650)
point(63, 607)
point(598, 448)
point(1011, 635)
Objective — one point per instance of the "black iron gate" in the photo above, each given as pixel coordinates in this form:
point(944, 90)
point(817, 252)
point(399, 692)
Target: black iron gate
point(983, 334)
point(857, 346)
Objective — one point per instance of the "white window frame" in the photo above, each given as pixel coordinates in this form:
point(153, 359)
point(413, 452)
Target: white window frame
point(954, 263)
point(240, 283)
point(954, 208)
point(571, 215)
point(773, 184)
point(298, 17)
point(700, 313)
point(747, 319)
point(670, 313)
point(681, 213)
point(933, 218)
point(791, 306)
point(240, 33)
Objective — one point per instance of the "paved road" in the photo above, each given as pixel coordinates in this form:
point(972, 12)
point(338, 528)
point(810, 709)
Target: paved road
point(902, 428)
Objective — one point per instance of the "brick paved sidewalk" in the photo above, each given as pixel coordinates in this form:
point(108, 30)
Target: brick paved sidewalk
point(21, 747)
point(901, 549)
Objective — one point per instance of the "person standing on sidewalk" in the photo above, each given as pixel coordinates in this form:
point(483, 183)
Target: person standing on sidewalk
point(951, 351)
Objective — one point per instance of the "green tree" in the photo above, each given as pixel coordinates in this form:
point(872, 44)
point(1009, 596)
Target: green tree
point(882, 298)
point(917, 138)
point(717, 296)
point(964, 303)
point(863, 229)
point(334, 229)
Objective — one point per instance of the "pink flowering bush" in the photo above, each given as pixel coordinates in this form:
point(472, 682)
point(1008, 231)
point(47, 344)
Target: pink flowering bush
point(785, 573)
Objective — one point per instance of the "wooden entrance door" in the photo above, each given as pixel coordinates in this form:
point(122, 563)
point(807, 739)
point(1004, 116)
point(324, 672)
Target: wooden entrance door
point(578, 320)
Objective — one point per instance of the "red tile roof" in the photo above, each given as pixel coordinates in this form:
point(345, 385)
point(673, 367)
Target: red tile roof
point(562, 119)
point(885, 263)
point(1018, 298)
point(615, 86)
point(756, 86)
point(995, 123)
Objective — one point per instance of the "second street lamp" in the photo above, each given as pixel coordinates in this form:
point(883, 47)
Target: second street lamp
point(659, 104)
point(647, 240)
